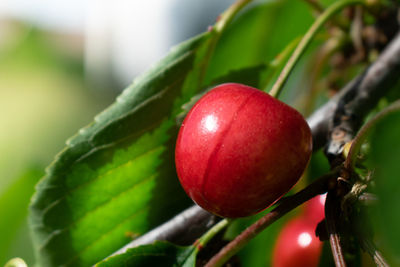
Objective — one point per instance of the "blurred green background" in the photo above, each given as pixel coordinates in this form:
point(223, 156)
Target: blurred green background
point(43, 100)
point(61, 63)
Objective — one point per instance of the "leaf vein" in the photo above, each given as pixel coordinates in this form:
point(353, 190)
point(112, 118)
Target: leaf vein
point(59, 231)
point(55, 202)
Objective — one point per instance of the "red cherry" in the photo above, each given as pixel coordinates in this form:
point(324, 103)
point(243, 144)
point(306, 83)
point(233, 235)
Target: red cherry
point(239, 150)
point(297, 245)
point(315, 209)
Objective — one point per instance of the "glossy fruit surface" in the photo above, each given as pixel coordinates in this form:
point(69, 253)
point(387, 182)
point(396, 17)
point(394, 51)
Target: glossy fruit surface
point(239, 150)
point(315, 209)
point(297, 245)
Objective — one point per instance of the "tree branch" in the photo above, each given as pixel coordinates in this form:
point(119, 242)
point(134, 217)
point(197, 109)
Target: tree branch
point(362, 94)
point(182, 229)
point(341, 117)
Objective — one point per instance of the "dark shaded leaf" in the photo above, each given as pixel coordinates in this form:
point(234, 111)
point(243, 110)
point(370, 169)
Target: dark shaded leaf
point(385, 155)
point(249, 76)
point(259, 35)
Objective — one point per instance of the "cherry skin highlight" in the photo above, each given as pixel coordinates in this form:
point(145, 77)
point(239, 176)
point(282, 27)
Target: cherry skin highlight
point(239, 150)
point(297, 245)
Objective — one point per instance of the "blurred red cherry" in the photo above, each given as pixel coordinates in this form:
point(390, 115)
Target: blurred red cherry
point(297, 245)
point(314, 210)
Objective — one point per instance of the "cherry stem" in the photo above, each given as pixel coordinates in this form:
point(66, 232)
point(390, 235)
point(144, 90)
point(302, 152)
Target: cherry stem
point(334, 239)
point(306, 40)
point(226, 17)
point(364, 133)
point(213, 231)
point(369, 246)
point(319, 186)
point(278, 62)
point(222, 22)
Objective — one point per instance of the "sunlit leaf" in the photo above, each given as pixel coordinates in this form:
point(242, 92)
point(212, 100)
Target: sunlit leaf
point(116, 178)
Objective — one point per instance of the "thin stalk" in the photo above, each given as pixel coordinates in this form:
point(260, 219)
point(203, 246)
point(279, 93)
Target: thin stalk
point(308, 37)
point(212, 232)
point(376, 255)
point(219, 27)
point(334, 239)
point(226, 17)
point(278, 62)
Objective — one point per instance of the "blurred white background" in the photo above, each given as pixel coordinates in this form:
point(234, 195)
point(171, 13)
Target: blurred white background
point(121, 37)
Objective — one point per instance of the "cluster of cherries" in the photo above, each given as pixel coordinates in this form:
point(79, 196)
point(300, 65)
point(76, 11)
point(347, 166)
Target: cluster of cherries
point(297, 244)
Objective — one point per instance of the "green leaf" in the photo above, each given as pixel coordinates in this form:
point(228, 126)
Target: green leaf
point(157, 254)
point(249, 76)
point(13, 209)
point(259, 34)
point(385, 154)
point(116, 178)
point(326, 259)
